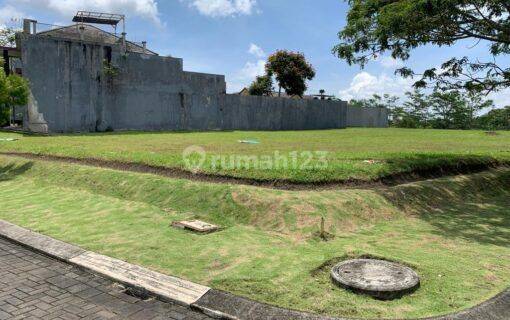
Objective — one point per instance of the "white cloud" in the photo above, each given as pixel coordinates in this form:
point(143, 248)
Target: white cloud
point(256, 51)
point(364, 85)
point(390, 62)
point(243, 77)
point(10, 16)
point(223, 8)
point(252, 70)
point(501, 98)
point(146, 9)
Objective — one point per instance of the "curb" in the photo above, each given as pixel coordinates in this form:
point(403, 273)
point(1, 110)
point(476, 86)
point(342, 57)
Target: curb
point(214, 303)
point(142, 280)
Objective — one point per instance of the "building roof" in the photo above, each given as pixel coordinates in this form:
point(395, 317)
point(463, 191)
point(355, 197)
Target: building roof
point(12, 51)
point(87, 32)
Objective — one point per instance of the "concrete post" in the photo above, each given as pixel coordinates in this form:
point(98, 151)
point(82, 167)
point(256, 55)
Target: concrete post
point(123, 43)
point(26, 25)
point(29, 26)
point(81, 29)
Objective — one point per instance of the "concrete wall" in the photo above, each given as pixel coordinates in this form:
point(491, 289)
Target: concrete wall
point(72, 91)
point(266, 113)
point(367, 117)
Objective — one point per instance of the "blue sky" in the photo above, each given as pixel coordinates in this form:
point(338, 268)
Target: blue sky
point(234, 37)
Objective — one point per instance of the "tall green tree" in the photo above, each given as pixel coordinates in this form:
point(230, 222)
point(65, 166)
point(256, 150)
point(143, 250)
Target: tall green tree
point(14, 91)
point(17, 92)
point(475, 103)
point(417, 109)
point(291, 71)
point(262, 86)
point(376, 101)
point(375, 27)
point(452, 109)
point(446, 106)
point(455, 109)
point(497, 119)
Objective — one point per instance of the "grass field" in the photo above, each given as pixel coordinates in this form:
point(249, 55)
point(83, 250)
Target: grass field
point(454, 231)
point(363, 154)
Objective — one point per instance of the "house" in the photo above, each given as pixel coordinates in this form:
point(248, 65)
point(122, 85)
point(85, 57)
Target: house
point(90, 33)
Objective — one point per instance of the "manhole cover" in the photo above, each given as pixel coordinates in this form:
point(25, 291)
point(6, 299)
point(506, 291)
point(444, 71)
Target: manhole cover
point(378, 278)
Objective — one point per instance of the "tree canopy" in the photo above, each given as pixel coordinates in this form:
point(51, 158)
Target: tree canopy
point(262, 86)
point(7, 37)
point(497, 119)
point(14, 91)
point(291, 71)
point(375, 27)
point(451, 109)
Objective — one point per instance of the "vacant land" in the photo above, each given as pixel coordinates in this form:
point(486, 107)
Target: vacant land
point(454, 231)
point(359, 154)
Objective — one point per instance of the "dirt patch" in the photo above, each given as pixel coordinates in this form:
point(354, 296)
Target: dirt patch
point(178, 173)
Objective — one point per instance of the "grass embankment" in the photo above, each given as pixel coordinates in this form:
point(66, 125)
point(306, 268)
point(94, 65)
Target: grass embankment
point(454, 231)
point(361, 154)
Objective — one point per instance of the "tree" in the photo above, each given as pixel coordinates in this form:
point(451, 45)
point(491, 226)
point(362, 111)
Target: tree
point(17, 92)
point(357, 103)
point(376, 101)
point(7, 37)
point(417, 109)
point(14, 91)
point(262, 86)
point(452, 109)
point(475, 103)
point(398, 26)
point(291, 71)
point(497, 119)
point(456, 110)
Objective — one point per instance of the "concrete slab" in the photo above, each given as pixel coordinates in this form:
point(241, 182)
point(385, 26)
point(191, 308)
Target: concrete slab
point(196, 225)
point(54, 248)
point(165, 287)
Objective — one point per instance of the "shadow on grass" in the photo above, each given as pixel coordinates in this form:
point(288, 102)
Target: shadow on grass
point(474, 208)
point(12, 170)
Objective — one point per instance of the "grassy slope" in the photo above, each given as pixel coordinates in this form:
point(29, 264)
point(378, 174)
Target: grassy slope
point(454, 231)
point(398, 150)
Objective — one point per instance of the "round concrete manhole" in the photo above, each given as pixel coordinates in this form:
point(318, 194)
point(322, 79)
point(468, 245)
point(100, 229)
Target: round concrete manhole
point(377, 278)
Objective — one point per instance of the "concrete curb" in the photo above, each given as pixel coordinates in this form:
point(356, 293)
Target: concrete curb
point(214, 303)
point(38, 242)
point(142, 280)
point(227, 306)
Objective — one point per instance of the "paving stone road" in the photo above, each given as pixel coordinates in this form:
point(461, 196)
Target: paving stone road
point(33, 286)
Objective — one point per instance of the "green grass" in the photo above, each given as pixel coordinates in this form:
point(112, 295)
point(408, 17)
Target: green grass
point(454, 231)
point(395, 150)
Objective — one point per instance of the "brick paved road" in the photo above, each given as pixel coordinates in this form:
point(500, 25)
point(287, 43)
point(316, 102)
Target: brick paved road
point(33, 286)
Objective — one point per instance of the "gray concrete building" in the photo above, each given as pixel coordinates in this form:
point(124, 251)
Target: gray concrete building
point(84, 79)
